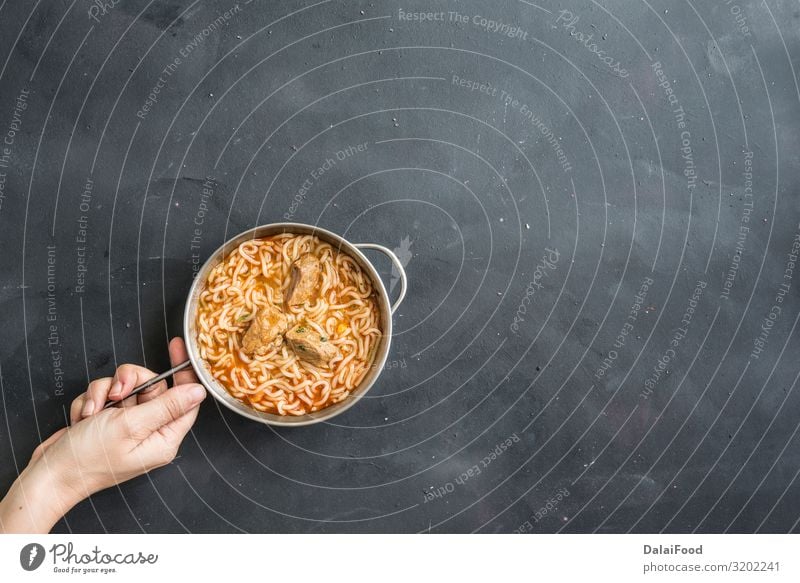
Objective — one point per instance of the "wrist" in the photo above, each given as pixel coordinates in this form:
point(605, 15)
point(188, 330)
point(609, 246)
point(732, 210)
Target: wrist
point(39, 497)
point(55, 485)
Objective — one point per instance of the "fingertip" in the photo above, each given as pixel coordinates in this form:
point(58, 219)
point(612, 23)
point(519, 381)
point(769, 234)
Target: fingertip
point(178, 354)
point(116, 390)
point(177, 350)
point(196, 392)
point(88, 408)
point(125, 379)
point(75, 409)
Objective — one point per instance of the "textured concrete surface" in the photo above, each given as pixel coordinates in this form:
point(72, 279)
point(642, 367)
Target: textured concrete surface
point(597, 204)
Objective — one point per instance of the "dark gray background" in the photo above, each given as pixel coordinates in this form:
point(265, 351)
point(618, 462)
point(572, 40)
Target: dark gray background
point(476, 189)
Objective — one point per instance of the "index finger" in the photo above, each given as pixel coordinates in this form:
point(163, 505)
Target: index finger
point(126, 378)
point(177, 355)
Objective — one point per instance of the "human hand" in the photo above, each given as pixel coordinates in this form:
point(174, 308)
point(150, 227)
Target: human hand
point(104, 447)
point(125, 379)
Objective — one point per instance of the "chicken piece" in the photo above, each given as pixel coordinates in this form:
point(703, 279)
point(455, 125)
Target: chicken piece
point(304, 280)
point(265, 331)
point(308, 345)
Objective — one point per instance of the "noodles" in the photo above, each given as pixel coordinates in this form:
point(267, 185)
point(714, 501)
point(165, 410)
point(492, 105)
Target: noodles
point(344, 312)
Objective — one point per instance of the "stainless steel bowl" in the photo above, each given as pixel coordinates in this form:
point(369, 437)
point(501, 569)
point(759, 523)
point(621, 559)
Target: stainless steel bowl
point(384, 305)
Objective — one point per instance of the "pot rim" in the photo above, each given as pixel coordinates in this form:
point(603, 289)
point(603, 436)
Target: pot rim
point(343, 245)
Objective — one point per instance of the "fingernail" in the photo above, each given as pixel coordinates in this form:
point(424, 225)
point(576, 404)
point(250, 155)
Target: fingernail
point(116, 389)
point(88, 408)
point(197, 392)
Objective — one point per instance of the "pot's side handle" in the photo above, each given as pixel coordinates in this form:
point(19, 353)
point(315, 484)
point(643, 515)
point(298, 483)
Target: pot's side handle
point(398, 266)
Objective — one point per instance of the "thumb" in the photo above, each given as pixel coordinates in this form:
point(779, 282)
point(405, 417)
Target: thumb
point(171, 405)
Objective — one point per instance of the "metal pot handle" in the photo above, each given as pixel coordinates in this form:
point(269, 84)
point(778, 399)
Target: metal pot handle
point(399, 266)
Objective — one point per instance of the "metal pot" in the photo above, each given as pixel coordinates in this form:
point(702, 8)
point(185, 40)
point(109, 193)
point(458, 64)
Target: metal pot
point(384, 305)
